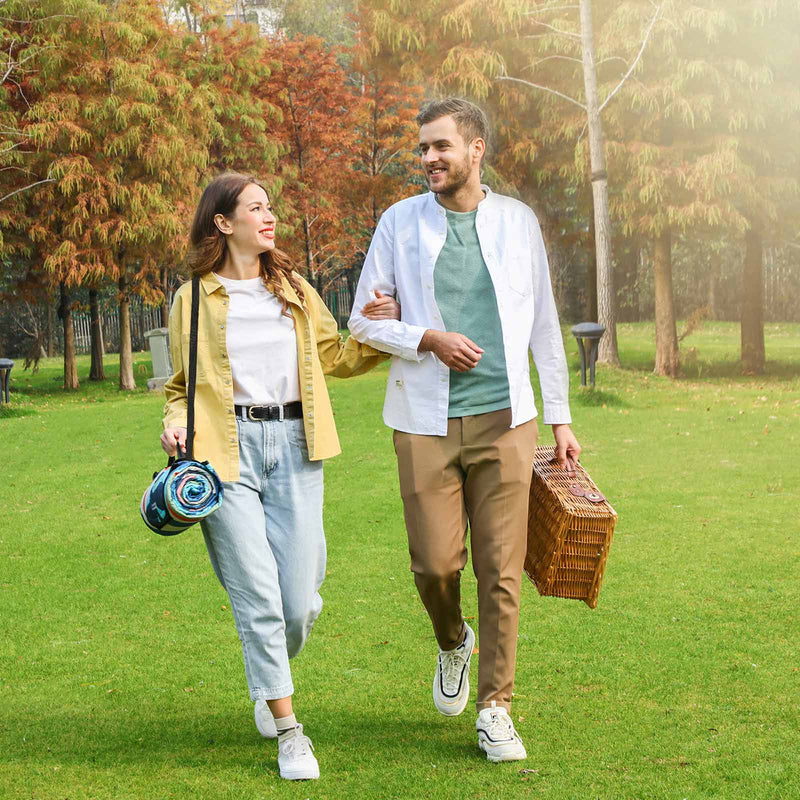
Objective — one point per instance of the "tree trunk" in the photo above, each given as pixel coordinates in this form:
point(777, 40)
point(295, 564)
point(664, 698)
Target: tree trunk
point(667, 358)
point(165, 304)
point(307, 242)
point(51, 328)
point(97, 371)
point(591, 274)
point(752, 312)
point(607, 352)
point(627, 292)
point(715, 270)
point(70, 365)
point(126, 381)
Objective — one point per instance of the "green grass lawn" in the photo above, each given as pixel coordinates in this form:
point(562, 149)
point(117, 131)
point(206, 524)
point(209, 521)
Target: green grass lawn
point(121, 673)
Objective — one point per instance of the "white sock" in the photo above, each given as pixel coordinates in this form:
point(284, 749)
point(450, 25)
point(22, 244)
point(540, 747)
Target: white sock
point(285, 724)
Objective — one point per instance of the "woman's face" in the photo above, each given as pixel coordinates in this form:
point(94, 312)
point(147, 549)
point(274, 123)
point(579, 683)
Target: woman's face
point(251, 227)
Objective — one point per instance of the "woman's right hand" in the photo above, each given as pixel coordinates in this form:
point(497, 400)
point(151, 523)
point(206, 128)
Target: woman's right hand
point(171, 438)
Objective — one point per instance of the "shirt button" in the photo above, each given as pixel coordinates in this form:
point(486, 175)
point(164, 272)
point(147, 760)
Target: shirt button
point(308, 386)
point(310, 415)
point(222, 327)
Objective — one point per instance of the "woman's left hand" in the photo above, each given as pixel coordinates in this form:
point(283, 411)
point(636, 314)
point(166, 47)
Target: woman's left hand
point(382, 307)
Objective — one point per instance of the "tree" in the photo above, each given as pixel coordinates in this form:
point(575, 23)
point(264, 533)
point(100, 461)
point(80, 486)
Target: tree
point(758, 60)
point(125, 136)
point(318, 127)
point(21, 45)
point(697, 139)
point(384, 161)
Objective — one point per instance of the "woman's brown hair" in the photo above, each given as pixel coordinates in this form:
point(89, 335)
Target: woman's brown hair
point(208, 246)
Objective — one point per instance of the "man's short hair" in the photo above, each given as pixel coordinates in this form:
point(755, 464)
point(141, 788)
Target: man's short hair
point(471, 122)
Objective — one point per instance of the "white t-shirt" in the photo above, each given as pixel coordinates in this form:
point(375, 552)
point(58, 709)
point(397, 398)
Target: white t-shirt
point(262, 347)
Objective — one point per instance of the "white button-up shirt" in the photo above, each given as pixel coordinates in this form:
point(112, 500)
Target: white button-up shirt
point(400, 262)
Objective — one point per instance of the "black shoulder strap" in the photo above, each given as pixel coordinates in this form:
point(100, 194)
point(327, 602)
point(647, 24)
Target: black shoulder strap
point(192, 368)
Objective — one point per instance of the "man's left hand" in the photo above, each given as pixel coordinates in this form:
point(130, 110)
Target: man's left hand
point(567, 447)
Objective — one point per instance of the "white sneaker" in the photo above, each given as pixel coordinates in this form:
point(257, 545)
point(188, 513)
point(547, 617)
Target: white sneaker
point(296, 759)
point(451, 680)
point(265, 722)
point(497, 737)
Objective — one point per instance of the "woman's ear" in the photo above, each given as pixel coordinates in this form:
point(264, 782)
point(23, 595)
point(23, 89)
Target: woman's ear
point(222, 223)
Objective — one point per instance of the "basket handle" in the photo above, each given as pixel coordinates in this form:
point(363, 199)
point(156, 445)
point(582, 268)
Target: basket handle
point(577, 490)
point(570, 463)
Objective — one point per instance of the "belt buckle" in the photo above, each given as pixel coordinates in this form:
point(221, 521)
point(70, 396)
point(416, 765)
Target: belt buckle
point(250, 413)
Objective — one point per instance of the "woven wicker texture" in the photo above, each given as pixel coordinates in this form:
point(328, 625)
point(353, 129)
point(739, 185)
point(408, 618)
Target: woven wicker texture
point(568, 535)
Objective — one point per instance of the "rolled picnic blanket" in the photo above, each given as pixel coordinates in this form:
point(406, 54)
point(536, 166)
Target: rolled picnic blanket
point(180, 495)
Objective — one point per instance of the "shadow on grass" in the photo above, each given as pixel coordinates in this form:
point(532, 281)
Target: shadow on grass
point(9, 411)
point(588, 396)
point(221, 741)
point(719, 369)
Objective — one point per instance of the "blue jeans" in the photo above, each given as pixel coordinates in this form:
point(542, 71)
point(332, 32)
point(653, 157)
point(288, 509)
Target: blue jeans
point(267, 547)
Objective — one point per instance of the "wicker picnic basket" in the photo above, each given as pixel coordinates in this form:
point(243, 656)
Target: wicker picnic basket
point(570, 525)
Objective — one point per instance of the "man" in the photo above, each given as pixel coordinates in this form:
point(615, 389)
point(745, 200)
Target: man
point(470, 271)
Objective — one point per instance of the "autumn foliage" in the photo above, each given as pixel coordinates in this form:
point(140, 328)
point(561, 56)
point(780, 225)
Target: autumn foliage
point(125, 114)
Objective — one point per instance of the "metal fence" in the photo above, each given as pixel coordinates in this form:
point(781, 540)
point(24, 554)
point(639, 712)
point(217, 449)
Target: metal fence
point(143, 318)
point(339, 299)
point(337, 296)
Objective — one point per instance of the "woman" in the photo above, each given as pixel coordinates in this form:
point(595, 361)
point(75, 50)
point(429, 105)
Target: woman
point(263, 420)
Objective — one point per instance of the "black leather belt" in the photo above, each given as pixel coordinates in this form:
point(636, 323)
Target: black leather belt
point(288, 411)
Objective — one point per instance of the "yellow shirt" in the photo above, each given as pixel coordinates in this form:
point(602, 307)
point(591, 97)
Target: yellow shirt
point(320, 351)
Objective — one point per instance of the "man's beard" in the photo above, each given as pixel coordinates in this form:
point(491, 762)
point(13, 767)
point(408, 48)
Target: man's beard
point(457, 178)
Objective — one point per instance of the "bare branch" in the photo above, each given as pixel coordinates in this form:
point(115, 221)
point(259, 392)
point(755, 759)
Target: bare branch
point(558, 30)
point(546, 8)
point(548, 58)
point(611, 58)
point(635, 61)
point(29, 186)
point(543, 88)
point(22, 94)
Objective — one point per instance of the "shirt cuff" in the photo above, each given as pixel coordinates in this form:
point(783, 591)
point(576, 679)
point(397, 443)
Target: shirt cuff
point(557, 414)
point(414, 334)
point(174, 421)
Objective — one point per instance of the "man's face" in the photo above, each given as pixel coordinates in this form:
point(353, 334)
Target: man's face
point(449, 162)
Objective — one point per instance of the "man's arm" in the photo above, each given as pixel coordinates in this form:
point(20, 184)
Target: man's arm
point(389, 335)
point(547, 347)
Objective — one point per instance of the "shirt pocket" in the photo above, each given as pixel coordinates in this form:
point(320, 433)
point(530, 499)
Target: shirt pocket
point(519, 274)
point(203, 367)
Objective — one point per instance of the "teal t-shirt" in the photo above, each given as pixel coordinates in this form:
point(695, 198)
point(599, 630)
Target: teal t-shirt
point(465, 296)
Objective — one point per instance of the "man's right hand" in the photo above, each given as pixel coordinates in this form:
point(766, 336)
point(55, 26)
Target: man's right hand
point(453, 349)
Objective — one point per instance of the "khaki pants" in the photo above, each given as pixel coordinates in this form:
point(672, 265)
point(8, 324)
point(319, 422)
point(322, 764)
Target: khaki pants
point(478, 475)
